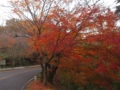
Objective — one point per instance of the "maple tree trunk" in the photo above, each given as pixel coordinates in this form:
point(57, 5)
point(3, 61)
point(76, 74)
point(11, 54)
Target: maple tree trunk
point(45, 74)
point(52, 73)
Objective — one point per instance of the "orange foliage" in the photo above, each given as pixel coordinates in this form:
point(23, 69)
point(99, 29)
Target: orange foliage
point(37, 85)
point(78, 39)
point(6, 41)
point(89, 60)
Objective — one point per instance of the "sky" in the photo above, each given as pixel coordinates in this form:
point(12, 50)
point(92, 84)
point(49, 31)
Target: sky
point(5, 12)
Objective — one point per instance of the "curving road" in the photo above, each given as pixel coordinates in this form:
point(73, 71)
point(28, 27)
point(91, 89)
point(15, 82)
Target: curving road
point(16, 79)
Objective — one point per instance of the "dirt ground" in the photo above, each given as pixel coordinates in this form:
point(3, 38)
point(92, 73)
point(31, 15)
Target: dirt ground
point(37, 85)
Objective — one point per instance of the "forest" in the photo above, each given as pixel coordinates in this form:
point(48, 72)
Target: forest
point(76, 42)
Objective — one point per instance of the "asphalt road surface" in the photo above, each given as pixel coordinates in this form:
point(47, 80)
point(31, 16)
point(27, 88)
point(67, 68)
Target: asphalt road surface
point(16, 79)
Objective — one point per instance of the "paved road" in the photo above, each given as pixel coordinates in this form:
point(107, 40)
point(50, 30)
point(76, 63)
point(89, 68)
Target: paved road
point(16, 79)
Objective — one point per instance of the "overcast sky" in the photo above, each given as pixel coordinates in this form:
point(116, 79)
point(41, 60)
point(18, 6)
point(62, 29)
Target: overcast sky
point(5, 12)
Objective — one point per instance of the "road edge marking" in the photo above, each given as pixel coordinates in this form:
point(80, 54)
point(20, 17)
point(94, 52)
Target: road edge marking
point(27, 83)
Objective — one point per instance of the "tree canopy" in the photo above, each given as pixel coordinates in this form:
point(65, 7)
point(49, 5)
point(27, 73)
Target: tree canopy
point(79, 37)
